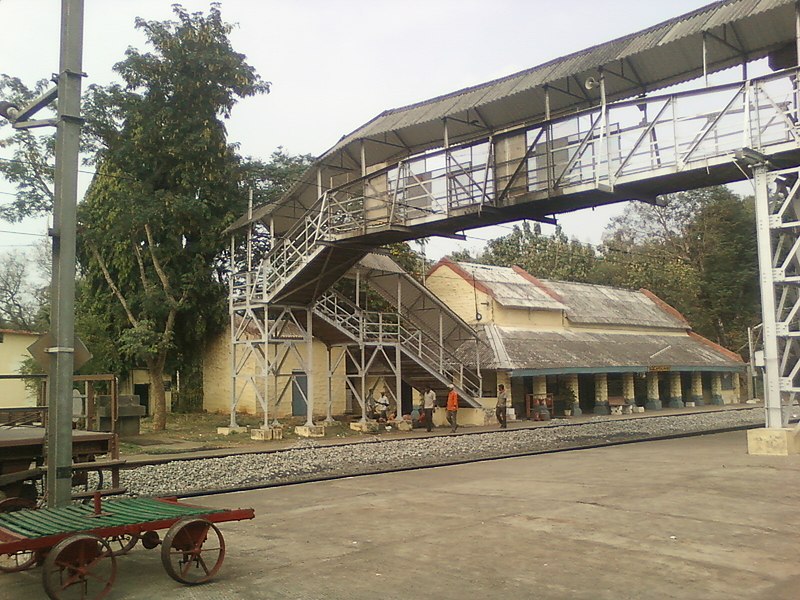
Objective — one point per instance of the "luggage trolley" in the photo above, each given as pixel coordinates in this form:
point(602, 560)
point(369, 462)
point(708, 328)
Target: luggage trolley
point(77, 545)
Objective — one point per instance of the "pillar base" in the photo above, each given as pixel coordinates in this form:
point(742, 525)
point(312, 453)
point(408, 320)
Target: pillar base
point(675, 403)
point(651, 404)
point(773, 442)
point(270, 433)
point(576, 409)
point(602, 408)
point(717, 400)
point(231, 430)
point(365, 426)
point(698, 400)
point(310, 430)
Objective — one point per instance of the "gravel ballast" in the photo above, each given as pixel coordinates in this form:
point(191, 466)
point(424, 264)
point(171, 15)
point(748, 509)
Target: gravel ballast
point(311, 460)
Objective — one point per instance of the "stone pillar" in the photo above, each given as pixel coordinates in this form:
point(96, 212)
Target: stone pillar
point(716, 389)
point(628, 392)
point(601, 394)
point(653, 401)
point(675, 395)
point(539, 390)
point(539, 385)
point(572, 384)
point(697, 388)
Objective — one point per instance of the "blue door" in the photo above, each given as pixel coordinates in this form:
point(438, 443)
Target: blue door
point(299, 382)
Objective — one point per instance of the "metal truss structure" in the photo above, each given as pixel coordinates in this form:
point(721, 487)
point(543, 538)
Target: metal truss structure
point(778, 221)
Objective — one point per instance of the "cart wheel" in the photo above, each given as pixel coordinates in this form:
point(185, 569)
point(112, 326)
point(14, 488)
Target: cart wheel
point(122, 544)
point(80, 566)
point(192, 551)
point(24, 559)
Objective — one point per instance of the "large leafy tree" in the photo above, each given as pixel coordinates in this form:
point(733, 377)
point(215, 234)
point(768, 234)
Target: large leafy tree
point(167, 184)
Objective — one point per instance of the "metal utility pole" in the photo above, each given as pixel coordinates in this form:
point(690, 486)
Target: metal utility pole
point(62, 286)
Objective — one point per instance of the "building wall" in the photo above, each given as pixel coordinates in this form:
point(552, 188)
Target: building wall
point(218, 381)
point(138, 377)
point(13, 350)
point(460, 296)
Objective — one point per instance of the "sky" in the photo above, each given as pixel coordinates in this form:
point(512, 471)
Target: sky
point(335, 64)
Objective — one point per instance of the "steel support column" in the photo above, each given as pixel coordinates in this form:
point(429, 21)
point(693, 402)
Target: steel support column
point(62, 289)
point(776, 206)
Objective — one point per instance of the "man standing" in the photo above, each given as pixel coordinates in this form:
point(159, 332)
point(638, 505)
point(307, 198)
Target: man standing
point(428, 404)
point(502, 405)
point(382, 406)
point(452, 409)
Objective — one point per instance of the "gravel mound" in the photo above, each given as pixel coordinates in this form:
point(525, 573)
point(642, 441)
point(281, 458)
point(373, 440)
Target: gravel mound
point(310, 460)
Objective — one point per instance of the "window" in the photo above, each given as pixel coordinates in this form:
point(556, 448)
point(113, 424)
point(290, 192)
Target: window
point(726, 381)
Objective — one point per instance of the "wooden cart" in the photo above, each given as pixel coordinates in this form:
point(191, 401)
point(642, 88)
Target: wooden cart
point(77, 545)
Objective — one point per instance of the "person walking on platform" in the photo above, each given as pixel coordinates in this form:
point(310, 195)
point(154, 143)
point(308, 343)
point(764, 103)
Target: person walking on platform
point(502, 405)
point(428, 404)
point(452, 408)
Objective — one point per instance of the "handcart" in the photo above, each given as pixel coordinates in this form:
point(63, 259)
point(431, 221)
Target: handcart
point(77, 545)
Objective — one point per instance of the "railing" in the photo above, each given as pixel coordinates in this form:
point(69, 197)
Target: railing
point(376, 327)
point(602, 146)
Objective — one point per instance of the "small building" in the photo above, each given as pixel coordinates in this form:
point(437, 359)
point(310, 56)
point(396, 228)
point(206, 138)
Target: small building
point(602, 345)
point(13, 350)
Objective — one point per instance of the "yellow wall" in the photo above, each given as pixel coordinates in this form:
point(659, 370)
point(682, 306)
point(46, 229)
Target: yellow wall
point(13, 350)
point(217, 381)
point(460, 296)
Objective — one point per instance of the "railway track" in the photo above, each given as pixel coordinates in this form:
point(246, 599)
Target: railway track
point(310, 461)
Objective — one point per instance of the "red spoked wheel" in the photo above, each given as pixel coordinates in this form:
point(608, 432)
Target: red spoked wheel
point(81, 566)
point(192, 551)
point(24, 559)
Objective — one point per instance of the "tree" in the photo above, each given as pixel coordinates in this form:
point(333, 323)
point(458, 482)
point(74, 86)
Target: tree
point(555, 256)
point(29, 169)
point(20, 299)
point(698, 253)
point(167, 184)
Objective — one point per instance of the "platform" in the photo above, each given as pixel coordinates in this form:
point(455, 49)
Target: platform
point(679, 519)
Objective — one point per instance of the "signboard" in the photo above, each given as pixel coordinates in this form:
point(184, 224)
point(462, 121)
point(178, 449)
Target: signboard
point(42, 352)
point(658, 368)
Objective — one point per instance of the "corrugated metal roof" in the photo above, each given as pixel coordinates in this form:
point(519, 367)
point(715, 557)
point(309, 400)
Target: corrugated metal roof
point(661, 55)
point(589, 304)
point(510, 288)
point(570, 349)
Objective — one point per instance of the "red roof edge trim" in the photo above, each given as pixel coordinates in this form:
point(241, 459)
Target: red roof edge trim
point(525, 275)
point(723, 350)
point(670, 310)
point(461, 272)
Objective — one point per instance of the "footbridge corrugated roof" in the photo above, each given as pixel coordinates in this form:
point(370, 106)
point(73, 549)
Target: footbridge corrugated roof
point(664, 54)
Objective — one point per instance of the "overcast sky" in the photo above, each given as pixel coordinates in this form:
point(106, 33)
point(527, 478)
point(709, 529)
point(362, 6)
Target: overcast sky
point(335, 64)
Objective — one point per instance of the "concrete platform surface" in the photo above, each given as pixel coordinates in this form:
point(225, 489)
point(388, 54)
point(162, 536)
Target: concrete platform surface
point(695, 518)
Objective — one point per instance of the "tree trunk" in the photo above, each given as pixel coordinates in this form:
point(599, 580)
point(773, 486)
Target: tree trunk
point(155, 368)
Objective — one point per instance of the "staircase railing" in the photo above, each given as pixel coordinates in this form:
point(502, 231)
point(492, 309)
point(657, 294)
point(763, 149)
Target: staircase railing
point(390, 328)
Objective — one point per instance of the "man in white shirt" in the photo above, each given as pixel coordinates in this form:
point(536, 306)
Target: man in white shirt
point(428, 404)
point(382, 406)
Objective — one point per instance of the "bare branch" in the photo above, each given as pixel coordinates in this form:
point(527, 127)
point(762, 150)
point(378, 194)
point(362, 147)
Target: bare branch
point(160, 271)
point(140, 261)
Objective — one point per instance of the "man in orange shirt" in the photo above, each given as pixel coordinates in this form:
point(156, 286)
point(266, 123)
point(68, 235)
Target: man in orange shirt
point(452, 409)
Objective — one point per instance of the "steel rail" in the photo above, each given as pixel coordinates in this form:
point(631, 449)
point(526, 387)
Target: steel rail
point(343, 474)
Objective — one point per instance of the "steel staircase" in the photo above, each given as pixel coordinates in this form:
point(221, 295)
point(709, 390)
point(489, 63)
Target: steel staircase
point(425, 361)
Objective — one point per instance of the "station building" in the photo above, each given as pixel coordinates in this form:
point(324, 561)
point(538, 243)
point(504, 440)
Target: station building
point(608, 346)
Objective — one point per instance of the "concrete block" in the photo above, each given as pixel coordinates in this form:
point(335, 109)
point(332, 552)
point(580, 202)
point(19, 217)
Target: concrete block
point(637, 409)
point(261, 434)
point(310, 430)
point(773, 442)
point(231, 430)
point(277, 433)
point(365, 427)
